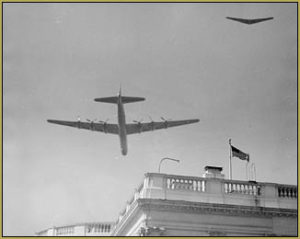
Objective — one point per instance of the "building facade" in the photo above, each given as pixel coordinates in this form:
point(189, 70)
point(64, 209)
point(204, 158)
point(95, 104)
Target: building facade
point(173, 205)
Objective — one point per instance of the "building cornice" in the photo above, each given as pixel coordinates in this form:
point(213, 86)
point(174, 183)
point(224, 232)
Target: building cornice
point(212, 208)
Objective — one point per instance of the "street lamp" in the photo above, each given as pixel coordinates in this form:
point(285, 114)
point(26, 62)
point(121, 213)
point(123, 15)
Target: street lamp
point(176, 160)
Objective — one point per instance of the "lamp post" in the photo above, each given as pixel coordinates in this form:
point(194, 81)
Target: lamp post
point(176, 160)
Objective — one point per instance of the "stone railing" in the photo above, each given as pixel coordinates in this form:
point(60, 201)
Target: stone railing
point(184, 183)
point(287, 191)
point(212, 190)
point(261, 189)
point(242, 188)
point(97, 228)
point(65, 230)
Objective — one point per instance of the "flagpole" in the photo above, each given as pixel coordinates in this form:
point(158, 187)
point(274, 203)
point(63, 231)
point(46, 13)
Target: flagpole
point(247, 177)
point(230, 166)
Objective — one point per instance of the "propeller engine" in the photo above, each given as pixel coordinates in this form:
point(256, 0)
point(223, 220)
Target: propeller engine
point(91, 123)
point(165, 121)
point(139, 123)
point(104, 125)
point(151, 122)
point(78, 122)
point(103, 122)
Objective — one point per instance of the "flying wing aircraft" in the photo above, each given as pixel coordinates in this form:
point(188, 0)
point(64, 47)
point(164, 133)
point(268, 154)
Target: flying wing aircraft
point(122, 129)
point(250, 21)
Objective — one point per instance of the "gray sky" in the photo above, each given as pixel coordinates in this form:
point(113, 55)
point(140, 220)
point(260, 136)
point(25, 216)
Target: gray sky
point(186, 59)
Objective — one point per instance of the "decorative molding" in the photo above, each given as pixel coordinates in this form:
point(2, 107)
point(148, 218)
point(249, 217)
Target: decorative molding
point(211, 208)
point(216, 234)
point(151, 231)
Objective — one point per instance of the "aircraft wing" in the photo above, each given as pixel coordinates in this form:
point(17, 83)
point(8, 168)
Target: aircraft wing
point(102, 127)
point(144, 127)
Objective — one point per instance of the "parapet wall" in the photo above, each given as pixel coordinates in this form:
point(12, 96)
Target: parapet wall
point(214, 191)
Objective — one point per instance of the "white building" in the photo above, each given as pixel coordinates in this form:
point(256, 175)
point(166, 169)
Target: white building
point(174, 205)
point(81, 229)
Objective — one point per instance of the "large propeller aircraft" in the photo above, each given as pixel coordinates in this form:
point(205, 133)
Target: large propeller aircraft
point(122, 128)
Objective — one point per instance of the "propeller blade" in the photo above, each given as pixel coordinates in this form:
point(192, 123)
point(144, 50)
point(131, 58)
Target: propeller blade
point(165, 119)
point(104, 122)
point(135, 121)
point(150, 118)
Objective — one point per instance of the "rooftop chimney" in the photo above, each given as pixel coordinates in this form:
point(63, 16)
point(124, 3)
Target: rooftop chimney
point(213, 172)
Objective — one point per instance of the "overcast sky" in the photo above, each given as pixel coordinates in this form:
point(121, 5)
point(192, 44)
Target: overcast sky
point(187, 60)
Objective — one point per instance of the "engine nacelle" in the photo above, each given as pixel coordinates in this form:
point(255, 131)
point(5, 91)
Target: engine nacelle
point(92, 126)
point(105, 127)
point(166, 124)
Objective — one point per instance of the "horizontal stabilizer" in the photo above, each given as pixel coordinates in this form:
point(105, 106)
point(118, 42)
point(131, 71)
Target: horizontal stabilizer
point(129, 99)
point(114, 99)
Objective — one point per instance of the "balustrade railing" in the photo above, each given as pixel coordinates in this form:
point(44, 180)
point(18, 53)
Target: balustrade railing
point(242, 188)
point(154, 184)
point(183, 183)
point(287, 191)
point(102, 228)
point(65, 230)
point(98, 228)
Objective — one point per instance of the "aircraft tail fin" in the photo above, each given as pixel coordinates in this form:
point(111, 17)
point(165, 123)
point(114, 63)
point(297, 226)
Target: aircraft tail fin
point(114, 99)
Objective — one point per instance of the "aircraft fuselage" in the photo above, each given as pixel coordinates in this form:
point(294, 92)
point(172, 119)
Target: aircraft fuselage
point(122, 126)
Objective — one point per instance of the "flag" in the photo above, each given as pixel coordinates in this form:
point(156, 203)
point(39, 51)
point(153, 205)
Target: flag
point(238, 153)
